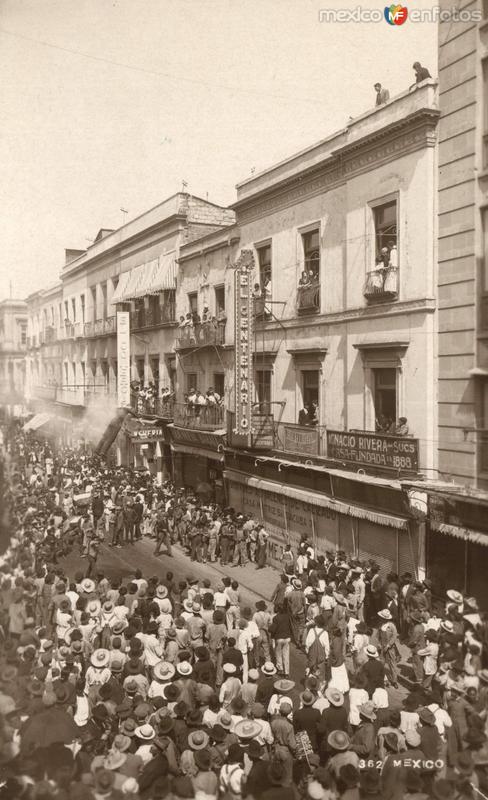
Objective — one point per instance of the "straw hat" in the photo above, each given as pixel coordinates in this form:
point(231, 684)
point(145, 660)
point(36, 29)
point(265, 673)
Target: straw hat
point(114, 760)
point(284, 685)
point(100, 658)
point(385, 613)
point(145, 732)
point(455, 596)
point(334, 696)
point(184, 668)
point(161, 592)
point(197, 740)
point(367, 710)
point(164, 671)
point(87, 585)
point(371, 651)
point(247, 729)
point(268, 668)
point(338, 740)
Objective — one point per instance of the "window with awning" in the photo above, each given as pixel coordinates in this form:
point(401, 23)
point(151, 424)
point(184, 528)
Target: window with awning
point(154, 276)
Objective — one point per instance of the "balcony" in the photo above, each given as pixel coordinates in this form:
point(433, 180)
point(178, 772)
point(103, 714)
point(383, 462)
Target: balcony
point(143, 318)
point(301, 439)
point(381, 285)
point(88, 329)
point(205, 418)
point(261, 310)
point(70, 395)
point(308, 299)
point(202, 334)
point(263, 431)
point(152, 406)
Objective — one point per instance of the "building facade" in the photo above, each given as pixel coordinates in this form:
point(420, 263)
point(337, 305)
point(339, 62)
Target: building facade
point(457, 533)
point(13, 345)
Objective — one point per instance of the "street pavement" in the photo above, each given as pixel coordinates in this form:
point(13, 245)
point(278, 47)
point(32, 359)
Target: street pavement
point(254, 584)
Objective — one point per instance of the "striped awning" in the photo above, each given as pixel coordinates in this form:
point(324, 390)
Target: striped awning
point(152, 277)
point(477, 537)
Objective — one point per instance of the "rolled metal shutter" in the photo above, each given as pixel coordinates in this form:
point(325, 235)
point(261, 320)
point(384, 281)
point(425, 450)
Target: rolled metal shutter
point(408, 549)
point(378, 543)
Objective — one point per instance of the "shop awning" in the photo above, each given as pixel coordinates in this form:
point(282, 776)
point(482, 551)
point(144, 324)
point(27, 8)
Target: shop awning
point(316, 499)
point(477, 537)
point(37, 421)
point(152, 277)
point(197, 451)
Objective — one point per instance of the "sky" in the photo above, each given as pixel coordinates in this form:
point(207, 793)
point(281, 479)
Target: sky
point(110, 104)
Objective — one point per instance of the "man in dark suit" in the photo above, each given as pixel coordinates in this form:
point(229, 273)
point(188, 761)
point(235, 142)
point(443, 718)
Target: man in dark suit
point(373, 671)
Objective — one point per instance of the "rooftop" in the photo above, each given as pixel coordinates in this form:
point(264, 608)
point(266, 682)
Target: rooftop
point(397, 111)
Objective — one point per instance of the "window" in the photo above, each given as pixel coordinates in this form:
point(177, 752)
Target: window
point(311, 254)
point(385, 397)
point(66, 311)
point(103, 287)
point(193, 303)
point(263, 389)
point(154, 366)
point(73, 309)
point(140, 369)
point(310, 387)
point(264, 261)
point(83, 372)
point(219, 300)
point(218, 383)
point(191, 381)
point(60, 312)
point(154, 309)
point(93, 297)
point(385, 231)
point(82, 304)
point(23, 333)
point(483, 437)
point(115, 282)
point(105, 372)
point(308, 292)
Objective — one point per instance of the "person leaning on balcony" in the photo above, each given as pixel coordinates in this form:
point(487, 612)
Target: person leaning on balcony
point(304, 279)
point(421, 73)
point(402, 428)
point(256, 292)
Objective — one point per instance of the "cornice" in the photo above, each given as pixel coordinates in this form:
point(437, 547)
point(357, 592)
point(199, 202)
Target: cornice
point(398, 139)
point(421, 305)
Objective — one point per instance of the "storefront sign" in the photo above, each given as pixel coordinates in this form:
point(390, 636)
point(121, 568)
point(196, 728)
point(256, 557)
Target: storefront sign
point(149, 434)
point(244, 323)
point(372, 449)
point(301, 440)
point(285, 518)
point(206, 439)
point(123, 359)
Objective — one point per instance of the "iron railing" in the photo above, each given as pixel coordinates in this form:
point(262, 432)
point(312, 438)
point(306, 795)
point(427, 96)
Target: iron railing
point(200, 335)
point(308, 299)
point(155, 406)
point(186, 415)
point(381, 284)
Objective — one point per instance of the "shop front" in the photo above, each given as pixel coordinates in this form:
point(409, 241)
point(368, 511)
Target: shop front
point(198, 461)
point(457, 545)
point(289, 513)
point(148, 448)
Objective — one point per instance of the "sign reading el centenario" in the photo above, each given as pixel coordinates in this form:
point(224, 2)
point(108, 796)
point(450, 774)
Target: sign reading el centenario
point(244, 319)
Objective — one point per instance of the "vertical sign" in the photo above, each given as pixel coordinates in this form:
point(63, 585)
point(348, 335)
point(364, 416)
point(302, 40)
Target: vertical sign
point(244, 323)
point(123, 359)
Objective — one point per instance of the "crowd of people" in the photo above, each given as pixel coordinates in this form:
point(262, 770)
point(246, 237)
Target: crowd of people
point(144, 686)
point(195, 329)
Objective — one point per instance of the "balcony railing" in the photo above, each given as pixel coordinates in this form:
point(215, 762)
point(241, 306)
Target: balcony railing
point(110, 325)
point(98, 327)
point(201, 417)
point(153, 406)
point(308, 299)
point(261, 309)
point(304, 439)
point(79, 330)
point(152, 317)
point(358, 448)
point(200, 335)
point(381, 285)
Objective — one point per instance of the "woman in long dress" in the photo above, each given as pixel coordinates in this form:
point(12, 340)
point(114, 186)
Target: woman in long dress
point(338, 673)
